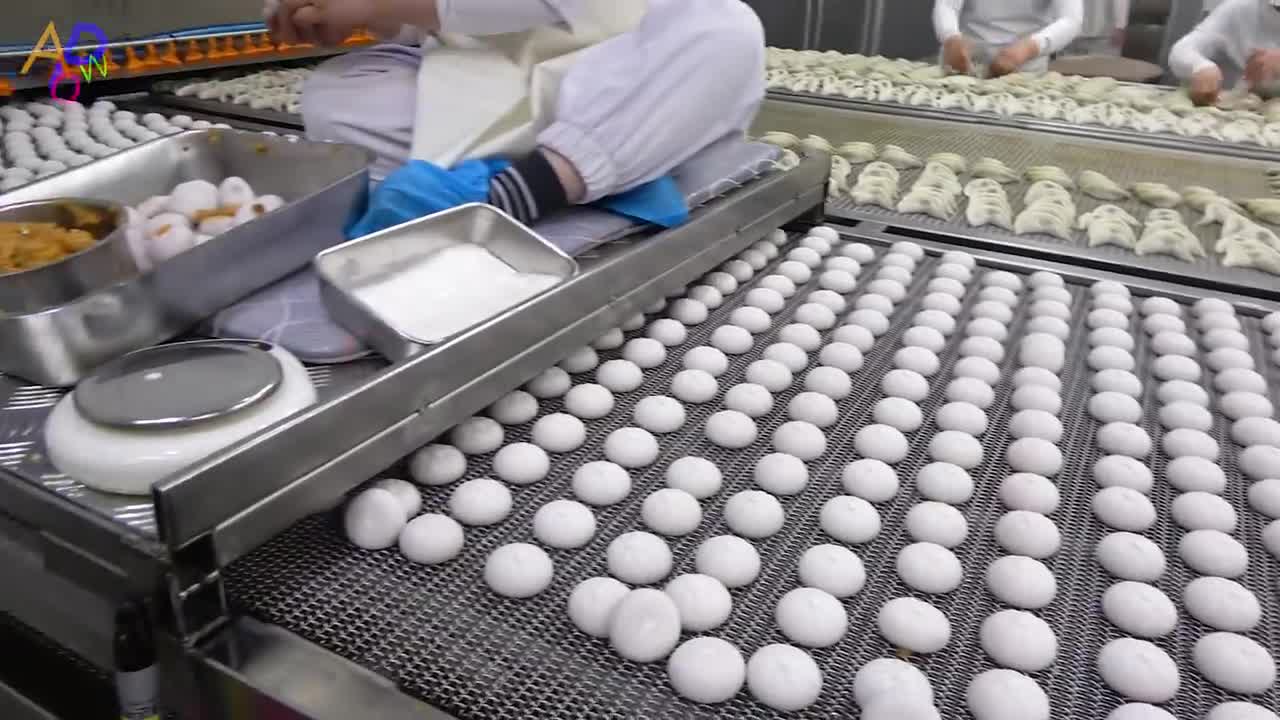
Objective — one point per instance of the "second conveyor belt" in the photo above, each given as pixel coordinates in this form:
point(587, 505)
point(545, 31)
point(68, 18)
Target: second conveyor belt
point(441, 635)
point(1123, 162)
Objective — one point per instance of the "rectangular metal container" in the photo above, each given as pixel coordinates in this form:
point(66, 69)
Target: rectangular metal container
point(347, 270)
point(321, 183)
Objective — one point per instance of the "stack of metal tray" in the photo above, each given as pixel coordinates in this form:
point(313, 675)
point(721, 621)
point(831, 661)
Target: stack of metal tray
point(440, 635)
point(1122, 162)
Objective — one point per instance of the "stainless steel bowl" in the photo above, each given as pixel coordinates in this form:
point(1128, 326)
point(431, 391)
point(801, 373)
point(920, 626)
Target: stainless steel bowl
point(105, 263)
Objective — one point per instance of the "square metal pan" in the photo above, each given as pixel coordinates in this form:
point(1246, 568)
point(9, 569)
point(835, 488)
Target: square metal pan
point(346, 271)
point(320, 182)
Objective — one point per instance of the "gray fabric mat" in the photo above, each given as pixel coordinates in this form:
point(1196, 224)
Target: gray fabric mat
point(290, 312)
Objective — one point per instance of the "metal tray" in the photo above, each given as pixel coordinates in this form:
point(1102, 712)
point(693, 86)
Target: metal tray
point(1025, 122)
point(226, 110)
point(439, 634)
point(347, 271)
point(1125, 163)
point(321, 183)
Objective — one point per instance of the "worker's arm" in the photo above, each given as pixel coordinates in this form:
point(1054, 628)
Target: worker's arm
point(956, 48)
point(1068, 16)
point(1121, 22)
point(1191, 58)
point(300, 20)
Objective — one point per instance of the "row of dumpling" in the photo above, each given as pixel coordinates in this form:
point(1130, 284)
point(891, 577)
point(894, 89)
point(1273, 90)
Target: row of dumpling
point(782, 64)
point(279, 89)
point(196, 211)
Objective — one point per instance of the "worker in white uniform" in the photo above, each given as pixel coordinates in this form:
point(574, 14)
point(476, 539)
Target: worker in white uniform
point(1102, 32)
point(1239, 42)
point(529, 105)
point(1004, 36)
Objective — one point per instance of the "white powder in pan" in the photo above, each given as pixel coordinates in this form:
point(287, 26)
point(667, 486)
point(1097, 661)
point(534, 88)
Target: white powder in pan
point(449, 291)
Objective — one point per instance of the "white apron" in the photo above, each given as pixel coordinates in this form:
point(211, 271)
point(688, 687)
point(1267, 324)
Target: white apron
point(485, 97)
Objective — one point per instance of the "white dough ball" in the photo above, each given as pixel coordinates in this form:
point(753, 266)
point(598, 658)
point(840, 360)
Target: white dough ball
point(1001, 312)
point(749, 399)
point(927, 338)
point(1181, 391)
point(917, 359)
point(659, 414)
point(592, 603)
point(671, 512)
point(873, 320)
point(944, 482)
point(1203, 511)
point(977, 367)
point(477, 435)
point(1026, 533)
point(644, 353)
point(1172, 367)
point(551, 383)
point(907, 384)
point(899, 413)
point(431, 539)
point(770, 301)
point(1031, 454)
point(1022, 582)
point(829, 298)
point(895, 272)
point(795, 271)
point(707, 295)
point(437, 464)
point(1239, 711)
point(703, 601)
point(1264, 497)
point(1156, 304)
point(816, 316)
point(956, 448)
point(838, 281)
point(1138, 670)
point(521, 463)
point(611, 340)
point(707, 359)
point(584, 359)
point(752, 319)
point(999, 294)
point(1120, 438)
point(729, 559)
point(729, 339)
point(1028, 491)
point(769, 374)
point(832, 382)
point(1139, 609)
point(754, 514)
point(601, 483)
point(1106, 357)
point(841, 356)
point(1271, 538)
point(1121, 381)
point(1222, 604)
point(688, 312)
point(1106, 407)
point(1019, 640)
point(620, 375)
point(987, 327)
point(913, 625)
point(1225, 338)
point(1123, 471)
point(1259, 462)
point(1129, 556)
point(848, 519)
point(482, 501)
point(1006, 695)
point(832, 568)
point(1256, 431)
point(1115, 337)
point(518, 570)
point(1123, 508)
point(881, 442)
point(972, 391)
point(933, 318)
point(943, 300)
point(891, 289)
point(929, 568)
point(791, 356)
point(559, 433)
point(1235, 663)
point(706, 670)
point(1237, 405)
point(781, 474)
point(1185, 415)
point(1212, 552)
point(1240, 380)
point(639, 558)
point(564, 524)
point(886, 679)
point(938, 523)
point(1036, 424)
point(731, 429)
point(667, 331)
point(694, 386)
point(784, 678)
point(631, 447)
point(589, 401)
point(373, 519)
point(871, 480)
point(811, 617)
point(697, 476)
point(644, 626)
point(1055, 327)
point(1162, 322)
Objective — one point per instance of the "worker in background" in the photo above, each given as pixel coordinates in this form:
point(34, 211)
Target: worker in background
point(1238, 43)
point(1102, 32)
point(529, 105)
point(1004, 36)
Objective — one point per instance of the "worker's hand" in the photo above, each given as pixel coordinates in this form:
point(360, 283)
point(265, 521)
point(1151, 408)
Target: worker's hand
point(420, 188)
point(1205, 85)
point(1014, 56)
point(320, 22)
point(1262, 68)
point(957, 54)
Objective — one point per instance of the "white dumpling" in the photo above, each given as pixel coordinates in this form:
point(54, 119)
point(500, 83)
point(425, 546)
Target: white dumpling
point(986, 211)
point(1217, 210)
point(899, 158)
point(1110, 231)
point(1175, 240)
point(1106, 212)
point(784, 140)
point(1051, 173)
point(1157, 194)
point(880, 169)
point(1251, 254)
point(935, 205)
point(857, 152)
point(1096, 185)
point(1033, 220)
point(994, 169)
point(874, 196)
point(955, 162)
point(1046, 189)
point(1265, 209)
point(982, 186)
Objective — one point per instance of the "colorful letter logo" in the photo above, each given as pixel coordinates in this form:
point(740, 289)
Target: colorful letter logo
point(95, 59)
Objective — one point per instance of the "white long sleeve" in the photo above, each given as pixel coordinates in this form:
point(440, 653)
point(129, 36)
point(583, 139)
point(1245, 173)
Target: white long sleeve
point(1192, 53)
point(1068, 17)
point(946, 18)
point(496, 17)
point(1226, 38)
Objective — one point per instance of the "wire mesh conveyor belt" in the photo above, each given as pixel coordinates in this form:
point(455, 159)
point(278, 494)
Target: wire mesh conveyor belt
point(440, 634)
point(25, 407)
point(1125, 164)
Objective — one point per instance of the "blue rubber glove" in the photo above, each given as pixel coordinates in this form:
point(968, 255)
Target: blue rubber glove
point(659, 202)
point(419, 188)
